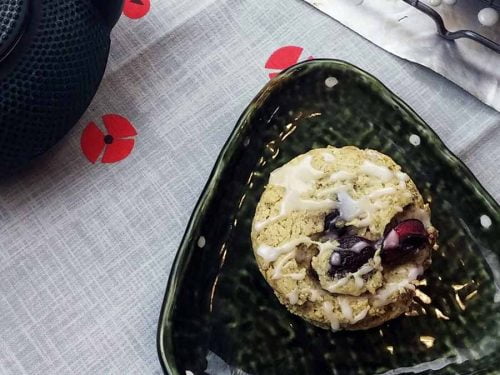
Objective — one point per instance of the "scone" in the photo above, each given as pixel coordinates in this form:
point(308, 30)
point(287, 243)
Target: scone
point(342, 235)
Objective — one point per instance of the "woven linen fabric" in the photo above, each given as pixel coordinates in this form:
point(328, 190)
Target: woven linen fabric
point(88, 234)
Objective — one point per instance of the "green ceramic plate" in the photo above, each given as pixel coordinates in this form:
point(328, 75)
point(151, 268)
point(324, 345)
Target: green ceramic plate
point(219, 315)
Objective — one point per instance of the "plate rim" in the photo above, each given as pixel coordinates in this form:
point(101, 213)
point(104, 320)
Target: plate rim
point(182, 255)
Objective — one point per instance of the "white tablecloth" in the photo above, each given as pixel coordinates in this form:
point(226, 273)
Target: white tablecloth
point(86, 248)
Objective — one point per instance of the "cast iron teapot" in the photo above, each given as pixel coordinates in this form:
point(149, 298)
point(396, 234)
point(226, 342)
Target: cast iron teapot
point(52, 58)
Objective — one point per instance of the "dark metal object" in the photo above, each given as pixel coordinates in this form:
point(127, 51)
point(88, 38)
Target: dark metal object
point(452, 35)
point(52, 58)
point(12, 17)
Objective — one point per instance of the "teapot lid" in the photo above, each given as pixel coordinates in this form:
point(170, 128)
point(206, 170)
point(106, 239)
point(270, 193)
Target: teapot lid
point(13, 14)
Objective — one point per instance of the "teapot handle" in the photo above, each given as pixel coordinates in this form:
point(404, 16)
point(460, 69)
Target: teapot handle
point(111, 10)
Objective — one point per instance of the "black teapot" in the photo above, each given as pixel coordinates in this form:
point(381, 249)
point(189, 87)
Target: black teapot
point(52, 58)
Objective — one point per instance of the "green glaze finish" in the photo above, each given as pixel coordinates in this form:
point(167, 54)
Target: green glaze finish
point(220, 316)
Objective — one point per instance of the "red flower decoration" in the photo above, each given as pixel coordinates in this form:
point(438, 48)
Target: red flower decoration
point(114, 146)
point(283, 58)
point(136, 8)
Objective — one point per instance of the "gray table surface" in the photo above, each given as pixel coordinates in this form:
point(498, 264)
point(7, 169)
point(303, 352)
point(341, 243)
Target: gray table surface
point(86, 249)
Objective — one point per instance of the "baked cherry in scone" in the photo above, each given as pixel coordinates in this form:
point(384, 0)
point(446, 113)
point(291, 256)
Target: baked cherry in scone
point(352, 253)
point(403, 241)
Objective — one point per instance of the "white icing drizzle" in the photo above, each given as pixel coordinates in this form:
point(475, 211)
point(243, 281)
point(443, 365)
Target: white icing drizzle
point(278, 267)
point(341, 176)
point(381, 192)
point(381, 172)
point(401, 176)
point(380, 204)
point(301, 275)
point(330, 316)
point(358, 275)
point(377, 260)
point(281, 263)
point(361, 315)
point(315, 295)
point(346, 309)
point(340, 283)
point(293, 297)
point(327, 157)
point(270, 254)
point(359, 282)
point(363, 208)
point(365, 221)
point(297, 179)
point(415, 272)
point(357, 247)
point(332, 191)
point(348, 207)
point(383, 295)
point(296, 275)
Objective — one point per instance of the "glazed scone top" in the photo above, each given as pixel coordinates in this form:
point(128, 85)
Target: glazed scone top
point(311, 181)
point(368, 190)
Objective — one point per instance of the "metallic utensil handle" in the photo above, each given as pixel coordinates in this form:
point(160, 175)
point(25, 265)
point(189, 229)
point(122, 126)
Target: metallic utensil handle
point(452, 35)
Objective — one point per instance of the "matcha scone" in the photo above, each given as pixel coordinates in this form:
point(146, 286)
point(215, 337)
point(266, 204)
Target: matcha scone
point(342, 235)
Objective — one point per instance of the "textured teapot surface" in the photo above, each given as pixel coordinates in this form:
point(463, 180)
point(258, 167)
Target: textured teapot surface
point(52, 57)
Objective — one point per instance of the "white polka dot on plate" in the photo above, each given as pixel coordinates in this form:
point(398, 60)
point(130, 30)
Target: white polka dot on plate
point(488, 16)
point(189, 372)
point(434, 3)
point(414, 140)
point(246, 142)
point(485, 221)
point(201, 242)
point(331, 81)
